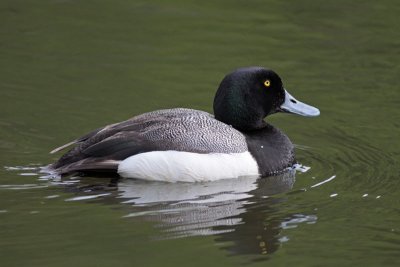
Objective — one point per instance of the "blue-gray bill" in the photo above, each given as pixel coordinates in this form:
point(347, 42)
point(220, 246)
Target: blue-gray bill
point(292, 105)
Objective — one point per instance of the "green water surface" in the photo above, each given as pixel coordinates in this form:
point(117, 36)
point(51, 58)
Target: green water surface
point(67, 67)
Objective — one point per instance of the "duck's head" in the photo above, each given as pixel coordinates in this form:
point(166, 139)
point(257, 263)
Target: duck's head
point(247, 95)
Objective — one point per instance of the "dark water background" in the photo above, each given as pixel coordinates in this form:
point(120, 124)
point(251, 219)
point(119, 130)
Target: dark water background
point(67, 67)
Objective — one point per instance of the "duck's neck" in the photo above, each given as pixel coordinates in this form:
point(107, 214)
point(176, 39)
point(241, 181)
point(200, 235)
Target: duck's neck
point(243, 123)
point(238, 116)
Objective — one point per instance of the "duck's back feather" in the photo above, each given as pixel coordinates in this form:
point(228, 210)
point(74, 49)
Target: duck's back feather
point(172, 129)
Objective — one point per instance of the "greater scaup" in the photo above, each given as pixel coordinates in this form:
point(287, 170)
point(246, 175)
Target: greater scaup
point(190, 145)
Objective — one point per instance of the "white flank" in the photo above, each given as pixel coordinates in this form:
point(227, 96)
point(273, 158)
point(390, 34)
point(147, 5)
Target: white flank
point(176, 166)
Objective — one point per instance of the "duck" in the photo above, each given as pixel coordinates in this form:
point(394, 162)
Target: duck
point(188, 145)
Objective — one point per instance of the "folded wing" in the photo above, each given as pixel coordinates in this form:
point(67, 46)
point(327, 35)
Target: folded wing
point(172, 129)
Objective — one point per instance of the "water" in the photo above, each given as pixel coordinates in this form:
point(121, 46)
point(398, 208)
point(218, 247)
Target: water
point(68, 67)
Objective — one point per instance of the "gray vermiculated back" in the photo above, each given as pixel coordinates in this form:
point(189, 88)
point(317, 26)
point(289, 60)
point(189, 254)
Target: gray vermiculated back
point(189, 130)
point(170, 129)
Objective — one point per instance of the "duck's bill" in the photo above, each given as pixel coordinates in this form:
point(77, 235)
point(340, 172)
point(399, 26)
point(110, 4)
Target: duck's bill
point(292, 105)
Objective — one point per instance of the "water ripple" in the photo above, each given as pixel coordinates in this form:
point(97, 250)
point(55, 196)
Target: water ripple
point(359, 164)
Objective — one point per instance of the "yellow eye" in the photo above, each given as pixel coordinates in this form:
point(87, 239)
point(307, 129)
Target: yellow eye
point(267, 83)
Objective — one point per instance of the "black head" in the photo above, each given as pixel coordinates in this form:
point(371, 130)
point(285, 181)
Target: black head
point(247, 95)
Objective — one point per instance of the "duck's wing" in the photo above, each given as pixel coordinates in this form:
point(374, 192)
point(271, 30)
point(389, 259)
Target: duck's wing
point(82, 138)
point(174, 129)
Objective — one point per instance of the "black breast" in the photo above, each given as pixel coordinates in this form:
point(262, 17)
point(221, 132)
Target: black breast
point(271, 148)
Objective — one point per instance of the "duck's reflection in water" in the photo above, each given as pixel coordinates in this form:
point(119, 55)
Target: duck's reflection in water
point(246, 215)
point(240, 212)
